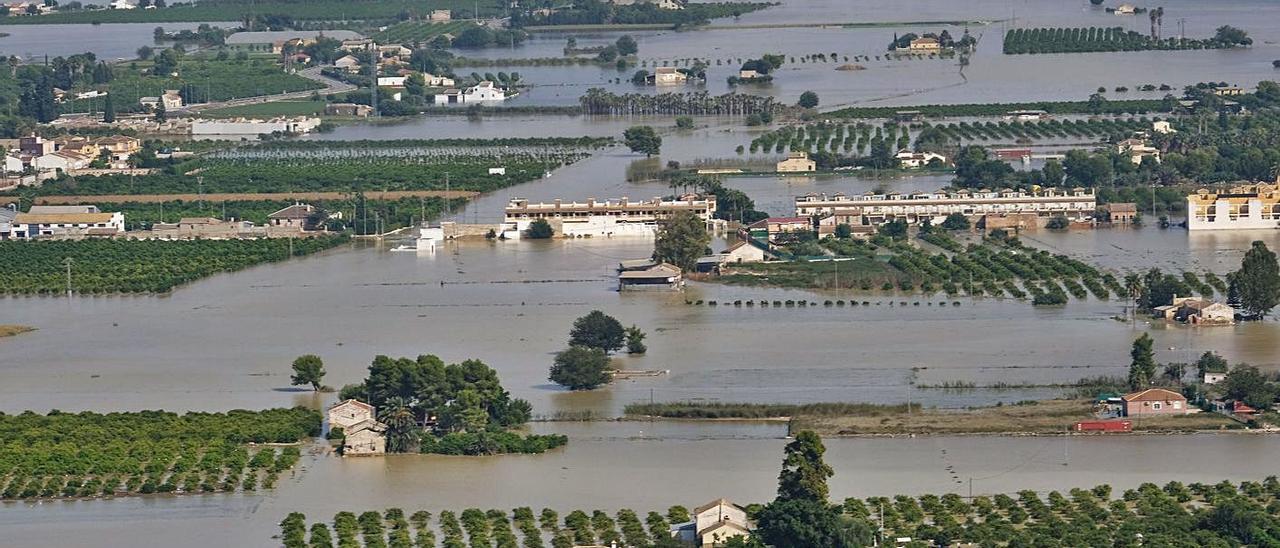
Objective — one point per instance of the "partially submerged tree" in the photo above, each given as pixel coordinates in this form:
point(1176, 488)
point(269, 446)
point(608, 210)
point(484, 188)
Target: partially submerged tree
point(1142, 365)
point(642, 139)
point(635, 341)
point(681, 240)
point(597, 330)
point(1258, 281)
point(308, 369)
point(580, 368)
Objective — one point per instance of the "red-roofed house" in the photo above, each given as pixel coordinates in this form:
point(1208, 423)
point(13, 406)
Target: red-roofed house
point(1154, 401)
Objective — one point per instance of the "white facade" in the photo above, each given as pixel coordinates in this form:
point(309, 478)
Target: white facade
point(391, 81)
point(243, 126)
point(350, 412)
point(668, 75)
point(605, 219)
point(876, 208)
point(484, 91)
point(914, 160)
point(1240, 208)
point(32, 225)
point(13, 164)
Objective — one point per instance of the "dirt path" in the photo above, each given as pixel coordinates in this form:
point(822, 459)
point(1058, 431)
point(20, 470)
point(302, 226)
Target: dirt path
point(154, 198)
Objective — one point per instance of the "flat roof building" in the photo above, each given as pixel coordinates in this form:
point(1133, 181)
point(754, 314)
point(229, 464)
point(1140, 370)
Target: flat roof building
point(873, 209)
point(1240, 207)
point(622, 217)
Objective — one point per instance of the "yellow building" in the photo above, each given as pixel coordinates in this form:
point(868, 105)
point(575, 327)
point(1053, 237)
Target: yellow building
point(797, 162)
point(925, 45)
point(1240, 207)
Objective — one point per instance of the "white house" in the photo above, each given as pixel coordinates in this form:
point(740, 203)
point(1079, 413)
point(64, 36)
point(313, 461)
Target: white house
point(497, 171)
point(484, 91)
point(914, 160)
point(743, 252)
point(64, 160)
point(364, 438)
point(52, 223)
point(1162, 126)
point(437, 81)
point(122, 5)
point(13, 164)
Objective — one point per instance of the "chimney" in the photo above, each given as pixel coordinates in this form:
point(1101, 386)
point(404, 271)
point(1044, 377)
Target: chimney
point(557, 203)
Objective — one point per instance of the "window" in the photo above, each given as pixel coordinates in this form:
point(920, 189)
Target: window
point(1156, 406)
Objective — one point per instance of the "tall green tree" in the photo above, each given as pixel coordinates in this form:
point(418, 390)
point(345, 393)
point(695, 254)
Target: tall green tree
point(109, 109)
point(642, 139)
point(804, 473)
point(580, 368)
point(808, 99)
point(681, 240)
point(1142, 364)
point(626, 45)
point(1210, 362)
point(597, 330)
point(539, 229)
point(1258, 281)
point(635, 341)
point(308, 369)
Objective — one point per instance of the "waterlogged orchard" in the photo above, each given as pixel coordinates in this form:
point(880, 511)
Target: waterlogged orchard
point(1222, 514)
point(137, 266)
point(1091, 39)
point(475, 528)
point(302, 166)
point(995, 268)
point(88, 454)
point(847, 138)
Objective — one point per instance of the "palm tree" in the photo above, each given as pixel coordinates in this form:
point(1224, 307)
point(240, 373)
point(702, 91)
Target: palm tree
point(1133, 285)
point(402, 425)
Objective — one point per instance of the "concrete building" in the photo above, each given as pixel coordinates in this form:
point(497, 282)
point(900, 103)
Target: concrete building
point(1120, 213)
point(660, 276)
point(484, 92)
point(207, 227)
point(774, 230)
point(871, 209)
point(1154, 401)
point(1137, 149)
point(797, 162)
point(36, 146)
point(713, 524)
point(621, 217)
point(925, 45)
point(364, 438)
point(7, 214)
point(391, 81)
point(49, 223)
point(1162, 126)
point(1197, 311)
point(1241, 207)
point(348, 63)
point(294, 216)
point(62, 161)
point(346, 413)
point(668, 76)
point(916, 160)
point(253, 126)
point(348, 109)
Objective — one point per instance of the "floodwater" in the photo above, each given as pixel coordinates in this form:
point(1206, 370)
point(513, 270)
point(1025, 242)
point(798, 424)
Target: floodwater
point(108, 42)
point(603, 473)
point(226, 342)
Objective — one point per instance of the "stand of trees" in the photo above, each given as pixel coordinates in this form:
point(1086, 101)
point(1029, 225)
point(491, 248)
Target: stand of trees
point(1090, 39)
point(681, 240)
point(463, 405)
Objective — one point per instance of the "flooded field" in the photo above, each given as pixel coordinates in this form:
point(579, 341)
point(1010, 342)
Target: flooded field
point(226, 342)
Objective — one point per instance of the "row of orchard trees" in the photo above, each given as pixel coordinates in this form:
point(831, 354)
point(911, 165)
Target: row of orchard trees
point(99, 266)
point(90, 454)
point(1090, 39)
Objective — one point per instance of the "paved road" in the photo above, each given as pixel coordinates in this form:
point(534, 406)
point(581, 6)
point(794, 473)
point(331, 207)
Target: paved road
point(313, 73)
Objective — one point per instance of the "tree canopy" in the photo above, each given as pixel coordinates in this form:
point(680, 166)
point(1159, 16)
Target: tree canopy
point(642, 139)
point(308, 369)
point(581, 368)
point(1142, 365)
point(597, 330)
point(1258, 281)
point(681, 240)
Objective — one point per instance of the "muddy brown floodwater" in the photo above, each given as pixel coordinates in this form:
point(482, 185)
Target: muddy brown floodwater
point(226, 342)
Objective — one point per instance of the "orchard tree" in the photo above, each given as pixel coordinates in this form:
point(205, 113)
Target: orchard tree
point(1258, 281)
point(642, 139)
point(308, 369)
point(626, 45)
point(597, 330)
point(681, 240)
point(580, 368)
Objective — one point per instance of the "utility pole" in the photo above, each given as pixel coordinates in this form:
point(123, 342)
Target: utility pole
point(68, 262)
point(448, 206)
